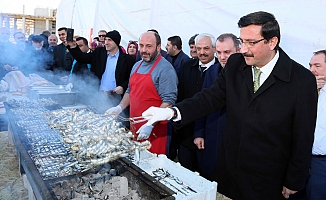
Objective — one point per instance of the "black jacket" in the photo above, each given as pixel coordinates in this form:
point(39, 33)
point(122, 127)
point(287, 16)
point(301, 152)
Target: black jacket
point(269, 134)
point(59, 55)
point(190, 83)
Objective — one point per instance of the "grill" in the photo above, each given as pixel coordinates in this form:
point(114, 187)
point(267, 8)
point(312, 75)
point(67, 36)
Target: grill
point(56, 171)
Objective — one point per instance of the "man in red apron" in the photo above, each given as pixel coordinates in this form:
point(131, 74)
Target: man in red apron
point(153, 82)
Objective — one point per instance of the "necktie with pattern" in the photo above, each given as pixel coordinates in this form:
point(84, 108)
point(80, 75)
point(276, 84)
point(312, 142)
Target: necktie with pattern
point(257, 74)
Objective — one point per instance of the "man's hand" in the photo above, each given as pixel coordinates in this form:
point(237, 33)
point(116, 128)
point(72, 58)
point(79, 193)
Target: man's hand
point(199, 142)
point(320, 81)
point(157, 114)
point(118, 90)
point(144, 132)
point(69, 86)
point(286, 192)
point(71, 44)
point(114, 111)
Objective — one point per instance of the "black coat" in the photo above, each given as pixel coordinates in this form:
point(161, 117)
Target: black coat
point(269, 134)
point(59, 55)
point(179, 62)
point(211, 128)
point(190, 83)
point(98, 58)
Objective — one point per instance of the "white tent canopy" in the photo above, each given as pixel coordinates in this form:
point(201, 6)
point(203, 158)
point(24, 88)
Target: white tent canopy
point(302, 22)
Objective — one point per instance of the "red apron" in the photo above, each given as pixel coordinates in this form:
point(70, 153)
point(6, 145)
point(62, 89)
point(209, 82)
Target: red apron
point(143, 95)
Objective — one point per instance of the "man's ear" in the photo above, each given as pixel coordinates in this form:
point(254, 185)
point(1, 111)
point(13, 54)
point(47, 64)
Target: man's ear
point(273, 42)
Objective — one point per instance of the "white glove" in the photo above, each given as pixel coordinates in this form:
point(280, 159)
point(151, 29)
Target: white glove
point(157, 114)
point(144, 132)
point(69, 86)
point(3, 86)
point(114, 111)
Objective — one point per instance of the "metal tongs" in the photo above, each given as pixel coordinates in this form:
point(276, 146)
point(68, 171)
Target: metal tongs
point(134, 120)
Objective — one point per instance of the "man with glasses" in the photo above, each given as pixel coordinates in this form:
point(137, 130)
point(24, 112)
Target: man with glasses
point(271, 104)
point(100, 42)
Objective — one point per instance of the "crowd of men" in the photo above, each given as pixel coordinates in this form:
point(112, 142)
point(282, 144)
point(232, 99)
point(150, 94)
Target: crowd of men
point(239, 111)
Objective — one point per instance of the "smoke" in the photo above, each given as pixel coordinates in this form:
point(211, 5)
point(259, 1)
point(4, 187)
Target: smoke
point(31, 61)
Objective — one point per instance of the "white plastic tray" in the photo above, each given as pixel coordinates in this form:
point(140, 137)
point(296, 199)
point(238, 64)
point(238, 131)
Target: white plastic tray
point(206, 190)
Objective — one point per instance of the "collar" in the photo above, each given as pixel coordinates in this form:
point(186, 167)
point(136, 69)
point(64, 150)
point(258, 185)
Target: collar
point(207, 65)
point(267, 69)
point(115, 55)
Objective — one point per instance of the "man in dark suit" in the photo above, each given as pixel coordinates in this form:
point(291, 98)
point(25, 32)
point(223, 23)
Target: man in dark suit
point(266, 149)
point(174, 49)
point(209, 130)
point(191, 79)
point(111, 66)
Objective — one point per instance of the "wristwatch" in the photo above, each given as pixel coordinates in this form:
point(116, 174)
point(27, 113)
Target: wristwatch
point(175, 113)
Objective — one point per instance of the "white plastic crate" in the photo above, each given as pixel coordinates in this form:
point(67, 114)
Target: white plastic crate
point(206, 190)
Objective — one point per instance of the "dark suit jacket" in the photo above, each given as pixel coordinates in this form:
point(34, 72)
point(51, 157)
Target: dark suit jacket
point(211, 128)
point(98, 58)
point(190, 83)
point(269, 134)
point(179, 61)
point(59, 54)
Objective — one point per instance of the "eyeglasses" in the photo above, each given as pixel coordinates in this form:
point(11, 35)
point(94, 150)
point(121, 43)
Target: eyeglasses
point(101, 35)
point(250, 43)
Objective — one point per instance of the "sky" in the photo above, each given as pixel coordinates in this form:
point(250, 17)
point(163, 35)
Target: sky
point(16, 6)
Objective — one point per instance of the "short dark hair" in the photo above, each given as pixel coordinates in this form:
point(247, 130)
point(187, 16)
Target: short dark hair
point(153, 30)
point(176, 40)
point(46, 33)
point(158, 38)
point(321, 52)
point(84, 40)
point(235, 39)
point(270, 27)
point(192, 39)
point(62, 28)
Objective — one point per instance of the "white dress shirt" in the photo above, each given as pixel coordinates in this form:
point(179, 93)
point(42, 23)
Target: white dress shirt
point(319, 147)
point(266, 70)
point(207, 65)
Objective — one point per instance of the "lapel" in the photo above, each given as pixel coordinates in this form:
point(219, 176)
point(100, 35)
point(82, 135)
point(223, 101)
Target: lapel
point(120, 63)
point(281, 71)
point(103, 58)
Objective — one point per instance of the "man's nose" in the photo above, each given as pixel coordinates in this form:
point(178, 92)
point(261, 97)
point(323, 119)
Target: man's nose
point(313, 71)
